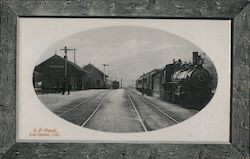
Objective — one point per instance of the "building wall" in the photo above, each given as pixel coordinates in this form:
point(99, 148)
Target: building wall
point(95, 79)
point(52, 76)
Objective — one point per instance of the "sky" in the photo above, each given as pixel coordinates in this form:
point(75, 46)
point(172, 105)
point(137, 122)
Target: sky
point(130, 51)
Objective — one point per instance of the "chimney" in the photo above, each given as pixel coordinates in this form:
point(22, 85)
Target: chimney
point(195, 58)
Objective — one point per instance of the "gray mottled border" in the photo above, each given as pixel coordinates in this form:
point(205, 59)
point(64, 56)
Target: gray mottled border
point(236, 10)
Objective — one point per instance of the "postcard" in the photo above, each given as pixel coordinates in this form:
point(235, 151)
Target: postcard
point(123, 80)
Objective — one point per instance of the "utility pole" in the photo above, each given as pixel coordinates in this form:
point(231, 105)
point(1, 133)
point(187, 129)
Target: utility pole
point(66, 60)
point(104, 66)
point(104, 78)
point(74, 56)
point(121, 82)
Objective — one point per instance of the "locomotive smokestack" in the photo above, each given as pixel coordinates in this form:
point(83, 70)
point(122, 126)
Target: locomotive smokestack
point(195, 58)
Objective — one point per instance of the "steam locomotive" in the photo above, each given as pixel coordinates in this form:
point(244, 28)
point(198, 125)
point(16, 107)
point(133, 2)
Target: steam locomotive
point(187, 84)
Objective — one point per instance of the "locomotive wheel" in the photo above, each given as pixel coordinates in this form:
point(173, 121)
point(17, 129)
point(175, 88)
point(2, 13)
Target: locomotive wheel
point(173, 98)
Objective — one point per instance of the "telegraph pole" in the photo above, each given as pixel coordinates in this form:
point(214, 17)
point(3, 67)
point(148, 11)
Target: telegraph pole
point(104, 78)
point(74, 56)
point(121, 82)
point(66, 60)
point(104, 66)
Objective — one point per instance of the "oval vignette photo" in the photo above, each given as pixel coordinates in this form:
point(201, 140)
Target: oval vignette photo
point(124, 79)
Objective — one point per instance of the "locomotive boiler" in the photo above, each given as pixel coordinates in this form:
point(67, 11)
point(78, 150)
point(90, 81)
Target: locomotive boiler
point(190, 87)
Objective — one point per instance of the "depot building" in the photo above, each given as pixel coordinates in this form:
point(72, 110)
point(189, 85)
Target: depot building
point(49, 76)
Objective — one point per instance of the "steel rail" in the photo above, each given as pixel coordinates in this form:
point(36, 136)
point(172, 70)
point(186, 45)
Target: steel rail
point(144, 127)
point(167, 115)
point(74, 107)
point(85, 122)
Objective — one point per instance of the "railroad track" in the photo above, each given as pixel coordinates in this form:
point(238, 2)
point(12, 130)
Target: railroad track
point(153, 106)
point(161, 111)
point(139, 116)
point(77, 105)
point(98, 106)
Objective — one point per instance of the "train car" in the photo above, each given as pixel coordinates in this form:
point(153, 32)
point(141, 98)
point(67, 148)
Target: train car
point(188, 84)
point(138, 84)
point(145, 83)
point(115, 85)
point(156, 90)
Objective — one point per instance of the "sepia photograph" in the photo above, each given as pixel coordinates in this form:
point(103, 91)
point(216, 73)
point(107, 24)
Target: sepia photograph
point(134, 79)
point(124, 79)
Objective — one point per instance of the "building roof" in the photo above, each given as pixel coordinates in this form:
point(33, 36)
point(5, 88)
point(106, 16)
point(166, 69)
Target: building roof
point(90, 66)
point(62, 59)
